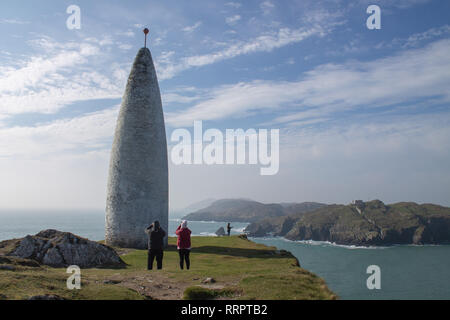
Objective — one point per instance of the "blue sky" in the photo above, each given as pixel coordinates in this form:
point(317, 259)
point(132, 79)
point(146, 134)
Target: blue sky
point(362, 114)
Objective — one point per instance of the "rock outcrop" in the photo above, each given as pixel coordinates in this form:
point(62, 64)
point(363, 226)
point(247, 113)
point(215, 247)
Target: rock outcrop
point(220, 232)
point(62, 249)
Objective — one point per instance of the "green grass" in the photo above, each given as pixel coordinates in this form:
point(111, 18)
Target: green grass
point(200, 293)
point(22, 284)
point(242, 270)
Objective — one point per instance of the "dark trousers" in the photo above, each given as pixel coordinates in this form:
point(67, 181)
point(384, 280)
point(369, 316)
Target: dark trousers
point(152, 254)
point(184, 256)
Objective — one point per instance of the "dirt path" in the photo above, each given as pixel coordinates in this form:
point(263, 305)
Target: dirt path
point(157, 286)
point(153, 285)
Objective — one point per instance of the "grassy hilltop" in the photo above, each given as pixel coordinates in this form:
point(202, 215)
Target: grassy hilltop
point(241, 269)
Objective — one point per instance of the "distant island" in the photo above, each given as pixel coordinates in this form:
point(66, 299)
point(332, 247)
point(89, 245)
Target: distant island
point(245, 210)
point(360, 223)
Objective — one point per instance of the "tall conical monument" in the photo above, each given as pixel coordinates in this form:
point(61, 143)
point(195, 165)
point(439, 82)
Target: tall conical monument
point(138, 174)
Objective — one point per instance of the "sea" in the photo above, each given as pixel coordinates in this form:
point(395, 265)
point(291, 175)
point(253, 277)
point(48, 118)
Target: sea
point(406, 272)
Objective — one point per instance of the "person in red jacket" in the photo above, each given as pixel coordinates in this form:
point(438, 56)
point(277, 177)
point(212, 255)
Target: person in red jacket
point(184, 244)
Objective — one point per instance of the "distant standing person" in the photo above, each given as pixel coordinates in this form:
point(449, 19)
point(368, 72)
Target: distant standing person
point(156, 236)
point(229, 227)
point(184, 244)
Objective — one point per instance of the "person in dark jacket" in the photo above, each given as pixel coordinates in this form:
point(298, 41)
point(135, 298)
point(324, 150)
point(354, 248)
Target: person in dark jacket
point(229, 227)
point(184, 244)
point(156, 236)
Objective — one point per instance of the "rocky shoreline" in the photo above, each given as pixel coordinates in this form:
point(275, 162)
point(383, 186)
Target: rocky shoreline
point(367, 224)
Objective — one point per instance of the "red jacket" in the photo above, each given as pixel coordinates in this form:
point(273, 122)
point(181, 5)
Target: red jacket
point(184, 238)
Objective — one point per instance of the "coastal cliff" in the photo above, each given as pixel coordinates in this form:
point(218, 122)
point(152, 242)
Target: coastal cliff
point(362, 223)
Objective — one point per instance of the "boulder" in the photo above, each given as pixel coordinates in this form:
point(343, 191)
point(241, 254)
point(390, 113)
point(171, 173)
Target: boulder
point(220, 232)
point(209, 280)
point(62, 249)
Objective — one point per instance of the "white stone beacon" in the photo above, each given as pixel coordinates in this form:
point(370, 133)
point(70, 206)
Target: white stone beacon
point(137, 192)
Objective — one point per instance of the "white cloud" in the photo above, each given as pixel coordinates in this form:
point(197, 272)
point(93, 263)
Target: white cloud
point(106, 41)
point(352, 160)
point(417, 38)
point(72, 155)
point(402, 154)
point(190, 29)
point(14, 21)
point(90, 131)
point(267, 7)
point(235, 5)
point(233, 100)
point(324, 17)
point(394, 159)
point(168, 68)
point(400, 79)
point(128, 33)
point(232, 20)
point(46, 82)
point(401, 4)
point(290, 61)
point(125, 46)
point(178, 98)
point(61, 182)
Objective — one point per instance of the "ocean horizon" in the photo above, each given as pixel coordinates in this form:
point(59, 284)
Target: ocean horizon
point(87, 223)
